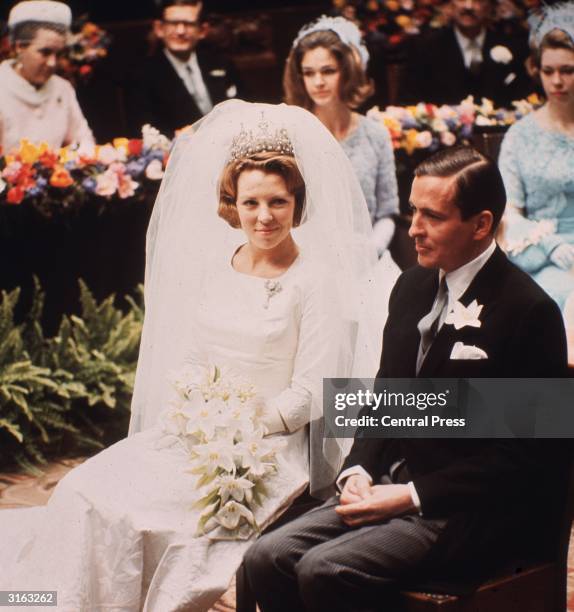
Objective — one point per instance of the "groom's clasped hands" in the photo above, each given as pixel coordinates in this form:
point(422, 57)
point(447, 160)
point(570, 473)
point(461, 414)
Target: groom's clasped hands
point(362, 503)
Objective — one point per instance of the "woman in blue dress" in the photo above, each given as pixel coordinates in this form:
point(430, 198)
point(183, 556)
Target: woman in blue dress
point(537, 164)
point(325, 73)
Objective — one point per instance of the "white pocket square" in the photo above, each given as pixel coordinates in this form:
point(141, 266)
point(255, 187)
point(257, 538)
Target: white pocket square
point(467, 351)
point(218, 72)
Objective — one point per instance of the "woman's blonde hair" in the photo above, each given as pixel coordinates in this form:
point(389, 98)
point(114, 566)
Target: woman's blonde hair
point(269, 162)
point(355, 87)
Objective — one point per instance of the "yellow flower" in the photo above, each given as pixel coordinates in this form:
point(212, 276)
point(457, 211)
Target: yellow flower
point(403, 21)
point(121, 143)
point(534, 99)
point(29, 152)
point(411, 141)
point(65, 155)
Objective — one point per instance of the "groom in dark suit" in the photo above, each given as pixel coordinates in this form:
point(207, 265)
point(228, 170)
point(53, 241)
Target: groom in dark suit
point(184, 79)
point(466, 58)
point(444, 511)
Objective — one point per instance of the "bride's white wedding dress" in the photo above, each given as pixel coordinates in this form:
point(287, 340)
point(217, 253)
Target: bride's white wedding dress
point(119, 531)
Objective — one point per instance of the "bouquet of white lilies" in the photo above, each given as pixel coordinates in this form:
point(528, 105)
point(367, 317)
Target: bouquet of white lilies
point(218, 416)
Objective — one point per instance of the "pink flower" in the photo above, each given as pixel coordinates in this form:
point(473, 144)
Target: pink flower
point(126, 186)
point(423, 140)
point(154, 170)
point(11, 172)
point(107, 183)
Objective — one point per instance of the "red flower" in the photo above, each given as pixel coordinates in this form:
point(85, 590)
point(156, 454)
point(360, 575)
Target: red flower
point(15, 195)
point(135, 146)
point(85, 70)
point(48, 159)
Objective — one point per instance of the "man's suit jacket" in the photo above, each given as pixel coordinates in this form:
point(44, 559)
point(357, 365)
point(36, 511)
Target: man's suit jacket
point(155, 94)
point(484, 488)
point(436, 72)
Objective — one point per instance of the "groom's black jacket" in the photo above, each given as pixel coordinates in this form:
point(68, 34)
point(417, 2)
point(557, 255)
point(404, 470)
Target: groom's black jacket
point(494, 493)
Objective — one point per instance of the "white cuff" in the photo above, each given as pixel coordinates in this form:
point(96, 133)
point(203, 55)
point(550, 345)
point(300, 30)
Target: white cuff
point(352, 471)
point(415, 497)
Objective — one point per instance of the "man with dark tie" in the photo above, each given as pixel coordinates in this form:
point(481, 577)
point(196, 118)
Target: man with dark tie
point(184, 79)
point(412, 510)
point(467, 58)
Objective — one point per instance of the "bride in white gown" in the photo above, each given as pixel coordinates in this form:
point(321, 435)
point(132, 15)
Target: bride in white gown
point(284, 302)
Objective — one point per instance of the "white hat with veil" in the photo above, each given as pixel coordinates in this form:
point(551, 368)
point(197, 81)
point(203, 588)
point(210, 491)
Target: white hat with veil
point(186, 234)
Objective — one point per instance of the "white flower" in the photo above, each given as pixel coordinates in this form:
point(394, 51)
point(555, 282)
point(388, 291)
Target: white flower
point(2, 185)
point(107, 183)
point(231, 91)
point(439, 125)
point(214, 455)
point(108, 154)
point(501, 55)
point(423, 139)
point(255, 454)
point(154, 170)
point(237, 488)
point(230, 515)
point(153, 139)
point(462, 316)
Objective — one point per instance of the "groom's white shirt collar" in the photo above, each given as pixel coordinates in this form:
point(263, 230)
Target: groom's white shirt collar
point(458, 281)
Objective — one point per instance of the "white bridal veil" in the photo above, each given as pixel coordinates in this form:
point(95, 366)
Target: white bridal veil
point(185, 234)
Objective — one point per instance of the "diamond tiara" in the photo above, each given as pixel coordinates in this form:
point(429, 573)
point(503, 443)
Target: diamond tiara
point(263, 138)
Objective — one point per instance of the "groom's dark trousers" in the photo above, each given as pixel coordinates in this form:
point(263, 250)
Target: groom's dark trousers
point(485, 502)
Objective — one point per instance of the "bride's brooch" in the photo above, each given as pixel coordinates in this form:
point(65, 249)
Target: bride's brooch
point(271, 288)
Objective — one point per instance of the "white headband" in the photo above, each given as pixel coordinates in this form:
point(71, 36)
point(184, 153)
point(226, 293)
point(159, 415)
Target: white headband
point(47, 11)
point(557, 17)
point(346, 30)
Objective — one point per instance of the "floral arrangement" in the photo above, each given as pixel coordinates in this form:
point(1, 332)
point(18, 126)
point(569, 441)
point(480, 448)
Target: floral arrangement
point(50, 179)
point(218, 417)
point(87, 45)
point(429, 127)
point(396, 20)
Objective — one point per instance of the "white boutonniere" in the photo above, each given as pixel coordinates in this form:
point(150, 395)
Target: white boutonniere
point(218, 72)
point(231, 91)
point(501, 55)
point(462, 316)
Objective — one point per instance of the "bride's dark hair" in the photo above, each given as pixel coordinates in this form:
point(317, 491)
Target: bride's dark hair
point(269, 162)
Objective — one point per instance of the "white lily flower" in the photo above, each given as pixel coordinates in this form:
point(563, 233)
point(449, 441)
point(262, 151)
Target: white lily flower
point(231, 514)
point(463, 316)
point(215, 454)
point(255, 455)
point(230, 486)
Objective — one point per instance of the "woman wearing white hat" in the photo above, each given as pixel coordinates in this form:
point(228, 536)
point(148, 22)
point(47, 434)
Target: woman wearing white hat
point(34, 102)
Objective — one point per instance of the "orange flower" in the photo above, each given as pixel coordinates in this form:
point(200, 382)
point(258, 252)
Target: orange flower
point(135, 146)
point(15, 195)
point(61, 178)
